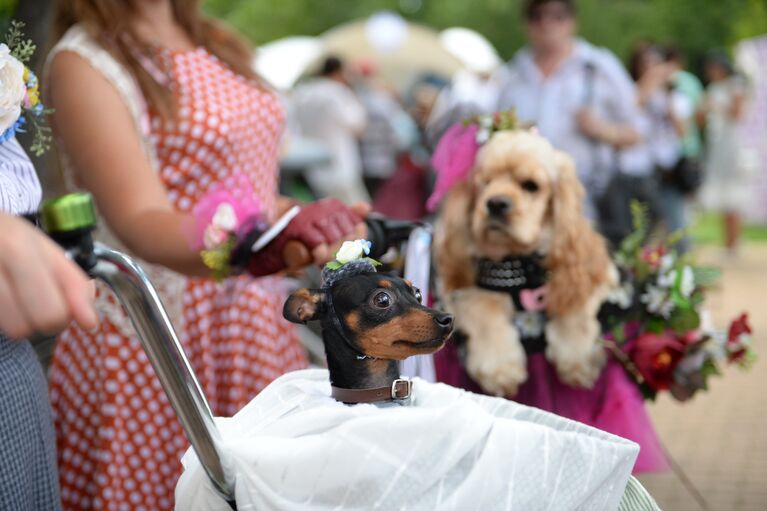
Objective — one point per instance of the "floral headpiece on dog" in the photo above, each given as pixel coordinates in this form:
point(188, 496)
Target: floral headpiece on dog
point(20, 105)
point(457, 150)
point(351, 259)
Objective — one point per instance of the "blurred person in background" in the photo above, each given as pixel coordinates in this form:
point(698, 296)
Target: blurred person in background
point(384, 137)
point(688, 84)
point(726, 183)
point(328, 110)
point(155, 107)
point(669, 112)
point(579, 96)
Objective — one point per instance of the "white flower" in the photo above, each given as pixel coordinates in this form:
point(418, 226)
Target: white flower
point(667, 280)
point(655, 299)
point(12, 88)
point(483, 135)
point(213, 237)
point(687, 286)
point(225, 218)
point(666, 262)
point(352, 250)
point(530, 324)
point(486, 122)
point(621, 295)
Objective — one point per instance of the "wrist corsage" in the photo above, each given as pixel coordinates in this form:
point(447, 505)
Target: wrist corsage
point(20, 106)
point(224, 218)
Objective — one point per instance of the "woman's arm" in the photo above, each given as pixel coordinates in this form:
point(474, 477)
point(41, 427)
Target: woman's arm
point(99, 135)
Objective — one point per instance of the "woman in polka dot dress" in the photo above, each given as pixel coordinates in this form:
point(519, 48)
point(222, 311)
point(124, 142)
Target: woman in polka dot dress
point(154, 106)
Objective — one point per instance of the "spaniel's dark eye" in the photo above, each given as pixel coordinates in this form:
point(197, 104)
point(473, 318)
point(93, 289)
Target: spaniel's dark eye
point(382, 300)
point(530, 186)
point(418, 296)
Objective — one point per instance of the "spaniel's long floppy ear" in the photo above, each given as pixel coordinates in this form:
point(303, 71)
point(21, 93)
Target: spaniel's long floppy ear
point(453, 241)
point(303, 305)
point(578, 260)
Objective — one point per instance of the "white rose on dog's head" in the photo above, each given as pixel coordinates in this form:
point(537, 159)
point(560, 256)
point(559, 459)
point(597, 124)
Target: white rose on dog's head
point(12, 88)
point(352, 250)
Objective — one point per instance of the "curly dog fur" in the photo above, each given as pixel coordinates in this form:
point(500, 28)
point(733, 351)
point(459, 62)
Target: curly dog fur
point(523, 197)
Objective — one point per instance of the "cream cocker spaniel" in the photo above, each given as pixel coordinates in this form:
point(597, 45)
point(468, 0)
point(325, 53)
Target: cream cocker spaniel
point(523, 198)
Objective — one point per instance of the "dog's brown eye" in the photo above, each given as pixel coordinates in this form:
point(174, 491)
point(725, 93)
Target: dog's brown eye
point(418, 296)
point(530, 186)
point(382, 300)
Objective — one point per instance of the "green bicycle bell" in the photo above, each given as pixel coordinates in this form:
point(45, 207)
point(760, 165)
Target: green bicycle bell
point(68, 214)
point(69, 220)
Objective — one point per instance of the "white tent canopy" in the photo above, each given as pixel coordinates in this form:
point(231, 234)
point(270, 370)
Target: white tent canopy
point(282, 62)
point(470, 47)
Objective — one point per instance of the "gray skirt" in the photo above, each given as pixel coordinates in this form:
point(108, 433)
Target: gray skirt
point(28, 476)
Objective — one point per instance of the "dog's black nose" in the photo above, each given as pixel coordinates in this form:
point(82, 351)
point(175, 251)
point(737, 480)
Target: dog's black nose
point(498, 206)
point(444, 320)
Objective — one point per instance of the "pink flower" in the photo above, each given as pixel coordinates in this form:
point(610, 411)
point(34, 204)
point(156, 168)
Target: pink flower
point(652, 255)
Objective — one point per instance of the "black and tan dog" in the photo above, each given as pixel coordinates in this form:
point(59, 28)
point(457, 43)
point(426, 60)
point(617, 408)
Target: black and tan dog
point(369, 322)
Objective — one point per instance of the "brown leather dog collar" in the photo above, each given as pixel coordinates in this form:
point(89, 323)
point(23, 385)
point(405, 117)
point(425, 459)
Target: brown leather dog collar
point(400, 390)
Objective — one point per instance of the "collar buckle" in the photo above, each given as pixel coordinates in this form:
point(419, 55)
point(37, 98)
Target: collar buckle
point(401, 388)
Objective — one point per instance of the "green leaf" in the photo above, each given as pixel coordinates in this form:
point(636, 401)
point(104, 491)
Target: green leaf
point(333, 265)
point(656, 325)
point(684, 320)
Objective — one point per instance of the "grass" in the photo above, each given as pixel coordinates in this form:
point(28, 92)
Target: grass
point(707, 230)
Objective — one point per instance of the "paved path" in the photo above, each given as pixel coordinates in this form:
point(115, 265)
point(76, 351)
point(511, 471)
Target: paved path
point(720, 437)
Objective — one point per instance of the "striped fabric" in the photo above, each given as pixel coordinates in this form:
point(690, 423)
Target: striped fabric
point(636, 498)
point(19, 187)
point(28, 479)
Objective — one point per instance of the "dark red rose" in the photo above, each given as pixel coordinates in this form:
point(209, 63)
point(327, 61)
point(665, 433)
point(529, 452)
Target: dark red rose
point(656, 356)
point(739, 327)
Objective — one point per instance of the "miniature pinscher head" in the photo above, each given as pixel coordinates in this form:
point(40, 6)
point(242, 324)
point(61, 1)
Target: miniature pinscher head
point(369, 321)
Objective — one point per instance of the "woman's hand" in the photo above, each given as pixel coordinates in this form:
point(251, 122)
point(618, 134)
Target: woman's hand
point(312, 237)
point(40, 289)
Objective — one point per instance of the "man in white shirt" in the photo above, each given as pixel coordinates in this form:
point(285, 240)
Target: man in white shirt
point(326, 109)
point(578, 95)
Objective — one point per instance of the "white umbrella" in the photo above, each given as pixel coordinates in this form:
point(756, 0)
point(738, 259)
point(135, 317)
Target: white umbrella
point(474, 51)
point(282, 62)
point(399, 49)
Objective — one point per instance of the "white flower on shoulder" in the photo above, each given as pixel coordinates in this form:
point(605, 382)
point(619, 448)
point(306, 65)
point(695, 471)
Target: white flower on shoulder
point(352, 250)
point(12, 88)
point(225, 218)
point(687, 285)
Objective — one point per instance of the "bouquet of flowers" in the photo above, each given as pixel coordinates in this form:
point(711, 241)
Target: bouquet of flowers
point(656, 326)
point(20, 106)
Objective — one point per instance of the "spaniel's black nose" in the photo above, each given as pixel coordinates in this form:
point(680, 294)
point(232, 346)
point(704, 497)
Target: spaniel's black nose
point(498, 206)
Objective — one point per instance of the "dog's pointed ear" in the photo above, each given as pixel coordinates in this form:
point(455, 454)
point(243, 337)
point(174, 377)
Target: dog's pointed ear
point(304, 305)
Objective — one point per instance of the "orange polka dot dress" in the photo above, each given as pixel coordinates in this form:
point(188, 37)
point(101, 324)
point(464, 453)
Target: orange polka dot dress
point(119, 441)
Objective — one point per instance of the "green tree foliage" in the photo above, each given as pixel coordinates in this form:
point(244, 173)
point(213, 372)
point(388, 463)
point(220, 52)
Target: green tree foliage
point(694, 25)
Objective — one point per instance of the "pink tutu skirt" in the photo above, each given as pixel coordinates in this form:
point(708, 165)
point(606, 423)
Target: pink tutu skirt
point(614, 404)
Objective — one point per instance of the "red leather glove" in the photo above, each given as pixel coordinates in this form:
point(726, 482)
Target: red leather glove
point(325, 221)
